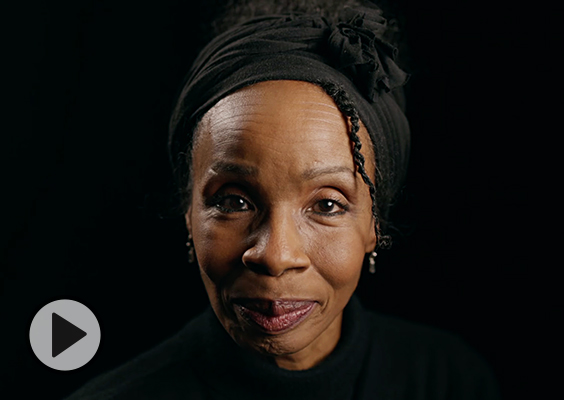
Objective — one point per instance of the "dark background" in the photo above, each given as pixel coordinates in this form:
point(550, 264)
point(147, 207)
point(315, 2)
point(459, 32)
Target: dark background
point(90, 85)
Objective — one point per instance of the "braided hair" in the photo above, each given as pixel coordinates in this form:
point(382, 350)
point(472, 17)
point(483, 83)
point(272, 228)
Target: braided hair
point(346, 106)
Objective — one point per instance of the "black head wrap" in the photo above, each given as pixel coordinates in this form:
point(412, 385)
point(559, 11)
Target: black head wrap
point(351, 54)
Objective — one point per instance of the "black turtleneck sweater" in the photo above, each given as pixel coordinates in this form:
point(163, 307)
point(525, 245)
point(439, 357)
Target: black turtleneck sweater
point(377, 357)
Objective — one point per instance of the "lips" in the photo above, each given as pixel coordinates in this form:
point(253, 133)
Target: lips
point(274, 316)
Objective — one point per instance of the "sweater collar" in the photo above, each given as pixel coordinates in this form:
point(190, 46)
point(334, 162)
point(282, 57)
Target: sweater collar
point(234, 372)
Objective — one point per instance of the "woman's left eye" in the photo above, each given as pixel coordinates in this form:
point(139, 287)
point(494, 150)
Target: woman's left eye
point(329, 207)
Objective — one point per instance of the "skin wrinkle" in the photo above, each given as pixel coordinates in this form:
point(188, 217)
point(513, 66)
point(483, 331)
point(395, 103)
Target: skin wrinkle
point(281, 248)
point(249, 101)
point(226, 123)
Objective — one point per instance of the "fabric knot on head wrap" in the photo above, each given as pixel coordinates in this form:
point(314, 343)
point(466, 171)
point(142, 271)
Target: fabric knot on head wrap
point(360, 53)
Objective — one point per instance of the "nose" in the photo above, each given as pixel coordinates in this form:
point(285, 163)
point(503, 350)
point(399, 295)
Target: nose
point(277, 248)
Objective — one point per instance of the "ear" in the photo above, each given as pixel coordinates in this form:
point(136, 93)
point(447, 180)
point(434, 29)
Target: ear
point(372, 239)
point(188, 219)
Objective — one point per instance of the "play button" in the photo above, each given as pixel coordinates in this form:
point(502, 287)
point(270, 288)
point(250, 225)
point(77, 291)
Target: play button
point(64, 335)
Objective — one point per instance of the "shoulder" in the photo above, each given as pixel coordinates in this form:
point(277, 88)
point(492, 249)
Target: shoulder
point(164, 372)
point(422, 358)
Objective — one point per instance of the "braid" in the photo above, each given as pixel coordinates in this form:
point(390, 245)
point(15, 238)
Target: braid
point(347, 107)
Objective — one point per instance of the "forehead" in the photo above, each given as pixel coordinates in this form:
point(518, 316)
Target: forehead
point(292, 125)
point(297, 119)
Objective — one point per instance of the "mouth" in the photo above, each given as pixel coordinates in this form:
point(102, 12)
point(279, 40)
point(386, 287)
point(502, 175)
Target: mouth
point(274, 316)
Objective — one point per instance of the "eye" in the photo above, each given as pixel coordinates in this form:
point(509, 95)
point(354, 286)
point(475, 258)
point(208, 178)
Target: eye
point(233, 203)
point(329, 207)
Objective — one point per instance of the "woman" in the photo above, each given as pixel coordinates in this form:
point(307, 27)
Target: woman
point(289, 143)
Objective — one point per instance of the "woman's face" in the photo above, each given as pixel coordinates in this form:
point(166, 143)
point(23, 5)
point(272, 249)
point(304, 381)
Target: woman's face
point(280, 219)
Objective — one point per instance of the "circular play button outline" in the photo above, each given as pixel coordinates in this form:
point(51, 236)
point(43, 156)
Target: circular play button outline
point(64, 335)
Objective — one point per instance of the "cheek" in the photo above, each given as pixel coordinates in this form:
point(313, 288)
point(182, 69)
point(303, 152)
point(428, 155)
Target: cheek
point(219, 250)
point(338, 257)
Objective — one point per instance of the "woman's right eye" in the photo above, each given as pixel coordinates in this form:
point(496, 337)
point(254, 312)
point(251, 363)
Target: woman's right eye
point(233, 203)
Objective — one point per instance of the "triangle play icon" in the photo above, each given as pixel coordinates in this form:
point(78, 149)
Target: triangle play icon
point(64, 334)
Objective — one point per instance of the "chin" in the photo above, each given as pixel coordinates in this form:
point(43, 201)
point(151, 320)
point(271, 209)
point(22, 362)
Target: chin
point(274, 345)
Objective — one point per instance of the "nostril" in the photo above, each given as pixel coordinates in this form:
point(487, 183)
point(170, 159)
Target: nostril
point(270, 270)
point(273, 263)
point(258, 268)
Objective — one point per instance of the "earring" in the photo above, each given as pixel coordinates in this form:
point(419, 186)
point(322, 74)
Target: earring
point(372, 262)
point(190, 246)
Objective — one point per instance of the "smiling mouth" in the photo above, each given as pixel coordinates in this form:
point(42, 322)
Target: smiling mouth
point(274, 316)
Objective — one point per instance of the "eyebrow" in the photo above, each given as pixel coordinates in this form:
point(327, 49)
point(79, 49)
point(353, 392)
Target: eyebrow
point(315, 172)
point(222, 167)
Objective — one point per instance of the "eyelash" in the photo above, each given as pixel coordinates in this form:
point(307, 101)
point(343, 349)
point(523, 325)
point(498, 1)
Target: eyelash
point(344, 207)
point(216, 202)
